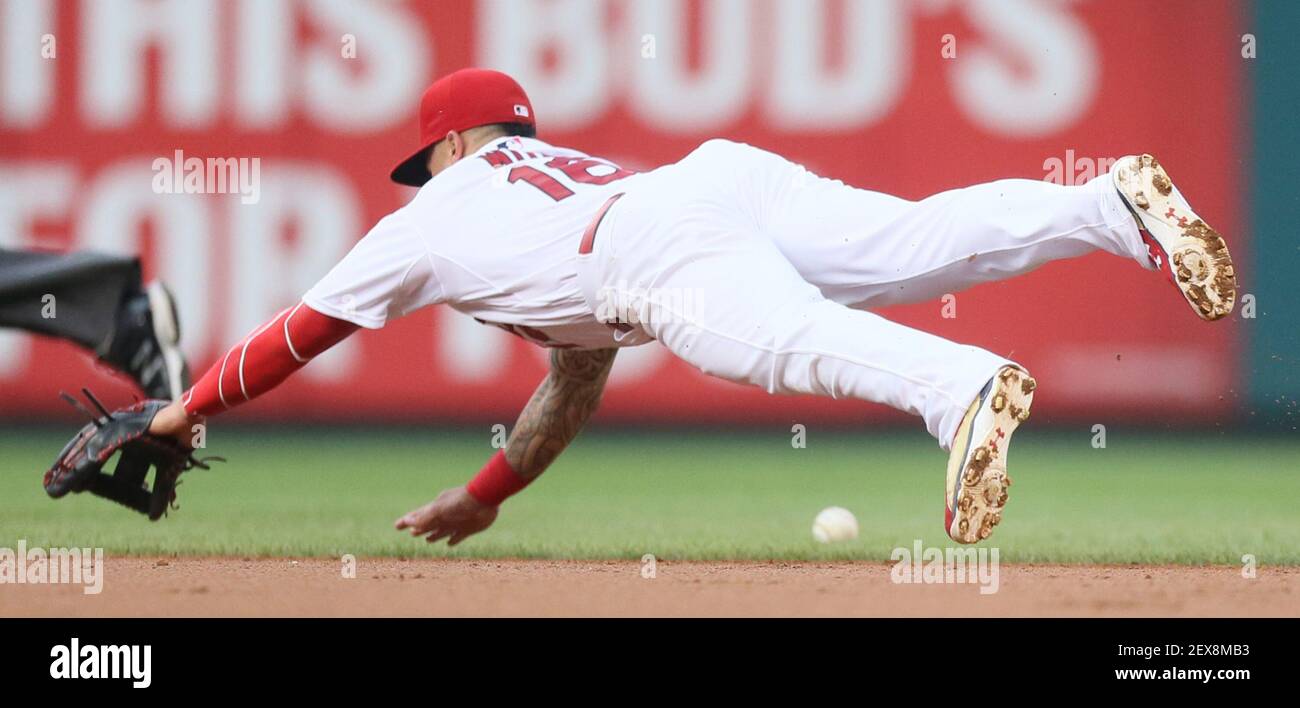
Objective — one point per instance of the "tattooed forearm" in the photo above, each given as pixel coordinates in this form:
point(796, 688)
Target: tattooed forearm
point(558, 409)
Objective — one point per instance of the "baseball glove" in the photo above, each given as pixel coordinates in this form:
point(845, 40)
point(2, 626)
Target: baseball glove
point(79, 467)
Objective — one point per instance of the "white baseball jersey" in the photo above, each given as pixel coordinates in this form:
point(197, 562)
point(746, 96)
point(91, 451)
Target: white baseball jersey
point(778, 264)
point(494, 236)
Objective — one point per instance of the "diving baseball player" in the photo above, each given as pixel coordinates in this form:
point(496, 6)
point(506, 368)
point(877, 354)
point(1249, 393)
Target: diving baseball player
point(738, 261)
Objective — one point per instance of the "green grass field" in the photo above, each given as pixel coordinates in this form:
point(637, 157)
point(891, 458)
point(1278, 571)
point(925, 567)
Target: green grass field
point(1146, 498)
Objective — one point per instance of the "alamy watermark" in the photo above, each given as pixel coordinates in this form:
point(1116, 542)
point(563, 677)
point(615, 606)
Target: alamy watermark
point(1073, 171)
point(75, 660)
point(631, 306)
point(179, 174)
point(938, 566)
point(53, 566)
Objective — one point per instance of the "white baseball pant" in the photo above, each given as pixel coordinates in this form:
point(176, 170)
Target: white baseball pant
point(754, 270)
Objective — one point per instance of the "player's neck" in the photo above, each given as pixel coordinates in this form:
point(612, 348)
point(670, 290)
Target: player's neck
point(473, 146)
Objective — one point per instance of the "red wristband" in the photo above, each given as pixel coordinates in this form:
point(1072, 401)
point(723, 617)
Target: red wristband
point(496, 482)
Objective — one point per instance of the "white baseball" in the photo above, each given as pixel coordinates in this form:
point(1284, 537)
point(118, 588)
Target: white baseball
point(834, 524)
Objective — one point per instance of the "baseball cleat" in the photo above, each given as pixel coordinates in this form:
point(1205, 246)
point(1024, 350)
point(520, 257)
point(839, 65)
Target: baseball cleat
point(1193, 255)
point(977, 466)
point(167, 331)
point(145, 343)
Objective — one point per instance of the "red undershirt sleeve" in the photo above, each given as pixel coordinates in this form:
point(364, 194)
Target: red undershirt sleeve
point(265, 358)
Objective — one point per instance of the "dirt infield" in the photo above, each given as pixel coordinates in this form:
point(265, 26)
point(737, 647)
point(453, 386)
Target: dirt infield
point(419, 587)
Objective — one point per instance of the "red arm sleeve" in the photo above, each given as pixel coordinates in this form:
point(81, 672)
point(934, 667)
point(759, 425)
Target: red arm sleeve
point(265, 358)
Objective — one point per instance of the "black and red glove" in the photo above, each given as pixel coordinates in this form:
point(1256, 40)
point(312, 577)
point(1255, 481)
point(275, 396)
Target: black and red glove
point(79, 467)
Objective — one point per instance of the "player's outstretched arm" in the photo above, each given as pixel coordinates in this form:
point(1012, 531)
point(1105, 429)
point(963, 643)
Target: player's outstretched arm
point(559, 408)
point(254, 366)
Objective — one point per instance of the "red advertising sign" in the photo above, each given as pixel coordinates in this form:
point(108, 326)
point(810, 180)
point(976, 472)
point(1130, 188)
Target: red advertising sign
point(905, 97)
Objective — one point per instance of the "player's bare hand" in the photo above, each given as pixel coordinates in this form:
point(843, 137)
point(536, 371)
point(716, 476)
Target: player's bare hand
point(173, 422)
point(454, 515)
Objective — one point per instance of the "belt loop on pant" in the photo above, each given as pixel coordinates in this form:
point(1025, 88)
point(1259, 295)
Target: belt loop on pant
point(589, 236)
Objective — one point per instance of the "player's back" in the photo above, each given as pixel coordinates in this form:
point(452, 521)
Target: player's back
point(496, 236)
point(504, 224)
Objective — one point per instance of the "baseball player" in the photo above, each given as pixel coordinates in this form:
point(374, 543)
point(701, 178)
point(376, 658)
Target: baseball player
point(98, 301)
point(738, 261)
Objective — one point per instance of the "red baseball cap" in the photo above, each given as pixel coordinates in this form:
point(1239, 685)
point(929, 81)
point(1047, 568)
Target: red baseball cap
point(459, 101)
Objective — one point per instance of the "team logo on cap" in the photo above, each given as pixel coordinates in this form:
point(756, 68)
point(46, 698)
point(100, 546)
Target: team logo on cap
point(521, 110)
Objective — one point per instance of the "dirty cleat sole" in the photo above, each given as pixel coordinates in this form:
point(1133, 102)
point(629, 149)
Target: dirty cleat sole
point(1193, 255)
point(977, 487)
